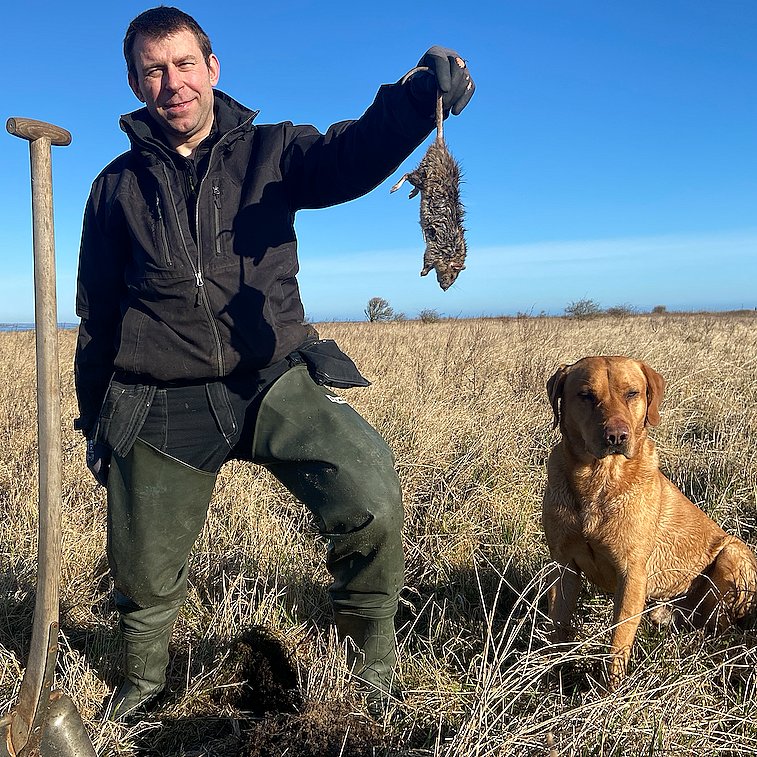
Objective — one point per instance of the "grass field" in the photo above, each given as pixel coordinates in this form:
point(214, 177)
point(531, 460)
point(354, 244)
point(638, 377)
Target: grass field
point(256, 670)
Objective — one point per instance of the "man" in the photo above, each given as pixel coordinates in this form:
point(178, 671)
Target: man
point(193, 349)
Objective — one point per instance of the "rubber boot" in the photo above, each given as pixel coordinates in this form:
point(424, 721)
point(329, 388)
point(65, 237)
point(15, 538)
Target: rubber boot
point(145, 664)
point(146, 634)
point(371, 658)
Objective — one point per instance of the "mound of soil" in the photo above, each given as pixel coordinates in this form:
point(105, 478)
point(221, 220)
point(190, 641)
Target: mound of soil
point(322, 729)
point(262, 675)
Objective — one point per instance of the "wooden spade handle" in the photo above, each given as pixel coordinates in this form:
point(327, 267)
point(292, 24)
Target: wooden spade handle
point(28, 128)
point(34, 694)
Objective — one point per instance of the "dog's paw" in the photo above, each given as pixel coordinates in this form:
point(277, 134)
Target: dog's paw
point(662, 615)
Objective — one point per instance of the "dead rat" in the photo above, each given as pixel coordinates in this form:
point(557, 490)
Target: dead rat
point(437, 178)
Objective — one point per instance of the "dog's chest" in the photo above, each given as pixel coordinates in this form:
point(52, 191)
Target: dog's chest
point(597, 510)
point(594, 529)
point(604, 517)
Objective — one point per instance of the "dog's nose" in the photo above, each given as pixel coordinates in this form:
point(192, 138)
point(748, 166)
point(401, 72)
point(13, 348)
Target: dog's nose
point(617, 432)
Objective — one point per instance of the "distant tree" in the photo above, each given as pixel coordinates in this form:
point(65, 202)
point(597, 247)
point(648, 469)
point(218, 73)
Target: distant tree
point(379, 309)
point(429, 315)
point(399, 317)
point(659, 309)
point(583, 309)
point(621, 311)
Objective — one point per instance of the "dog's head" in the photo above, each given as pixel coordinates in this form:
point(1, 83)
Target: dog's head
point(605, 403)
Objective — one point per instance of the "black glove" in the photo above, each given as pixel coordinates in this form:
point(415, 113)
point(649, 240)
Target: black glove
point(98, 460)
point(447, 71)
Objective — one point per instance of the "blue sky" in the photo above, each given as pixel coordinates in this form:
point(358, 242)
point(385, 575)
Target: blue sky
point(610, 151)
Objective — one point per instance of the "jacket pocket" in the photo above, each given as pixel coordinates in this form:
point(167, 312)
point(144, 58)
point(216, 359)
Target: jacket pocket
point(217, 222)
point(161, 236)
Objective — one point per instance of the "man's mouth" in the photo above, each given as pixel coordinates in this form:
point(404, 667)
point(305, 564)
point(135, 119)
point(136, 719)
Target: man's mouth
point(177, 107)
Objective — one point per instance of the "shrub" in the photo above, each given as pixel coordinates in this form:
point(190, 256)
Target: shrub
point(429, 315)
point(621, 311)
point(583, 309)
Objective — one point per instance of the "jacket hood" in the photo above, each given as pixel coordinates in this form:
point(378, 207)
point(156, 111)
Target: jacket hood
point(229, 114)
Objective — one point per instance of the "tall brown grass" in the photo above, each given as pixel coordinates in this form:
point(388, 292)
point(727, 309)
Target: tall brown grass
point(463, 406)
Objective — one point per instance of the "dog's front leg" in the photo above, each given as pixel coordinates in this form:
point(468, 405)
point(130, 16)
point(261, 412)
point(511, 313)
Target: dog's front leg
point(564, 587)
point(630, 598)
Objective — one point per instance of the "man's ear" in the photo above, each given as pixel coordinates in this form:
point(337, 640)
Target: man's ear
point(214, 68)
point(134, 84)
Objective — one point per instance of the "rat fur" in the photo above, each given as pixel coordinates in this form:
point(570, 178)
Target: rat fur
point(437, 178)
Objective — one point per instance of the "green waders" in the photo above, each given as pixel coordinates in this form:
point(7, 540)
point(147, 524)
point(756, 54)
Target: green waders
point(156, 510)
point(331, 459)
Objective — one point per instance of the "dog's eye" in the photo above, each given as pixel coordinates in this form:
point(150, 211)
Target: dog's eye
point(587, 395)
point(631, 393)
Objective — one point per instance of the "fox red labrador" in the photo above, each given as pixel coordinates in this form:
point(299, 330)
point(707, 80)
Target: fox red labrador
point(610, 515)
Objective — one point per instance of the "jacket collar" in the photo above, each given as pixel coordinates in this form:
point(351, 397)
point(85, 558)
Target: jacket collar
point(145, 135)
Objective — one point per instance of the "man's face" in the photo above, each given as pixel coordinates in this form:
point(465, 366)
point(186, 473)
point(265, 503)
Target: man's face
point(176, 84)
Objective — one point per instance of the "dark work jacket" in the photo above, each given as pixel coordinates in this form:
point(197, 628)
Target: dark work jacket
point(158, 306)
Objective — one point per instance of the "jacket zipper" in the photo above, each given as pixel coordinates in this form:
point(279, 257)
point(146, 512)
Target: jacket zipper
point(198, 232)
point(196, 269)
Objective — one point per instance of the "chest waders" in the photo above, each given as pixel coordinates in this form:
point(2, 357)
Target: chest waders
point(331, 459)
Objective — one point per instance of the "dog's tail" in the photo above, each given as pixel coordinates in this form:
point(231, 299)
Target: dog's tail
point(741, 598)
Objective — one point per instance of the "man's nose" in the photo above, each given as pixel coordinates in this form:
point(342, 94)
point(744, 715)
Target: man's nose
point(172, 79)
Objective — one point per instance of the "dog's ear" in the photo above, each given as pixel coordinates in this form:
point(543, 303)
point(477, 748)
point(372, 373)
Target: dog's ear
point(655, 388)
point(554, 391)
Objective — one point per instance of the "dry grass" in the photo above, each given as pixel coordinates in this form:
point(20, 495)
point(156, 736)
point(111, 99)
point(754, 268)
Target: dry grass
point(462, 404)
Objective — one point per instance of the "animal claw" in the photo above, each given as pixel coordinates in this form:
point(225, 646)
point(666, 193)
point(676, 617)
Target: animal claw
point(398, 184)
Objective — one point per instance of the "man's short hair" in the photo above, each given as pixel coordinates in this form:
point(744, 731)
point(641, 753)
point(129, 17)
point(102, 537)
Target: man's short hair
point(161, 22)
